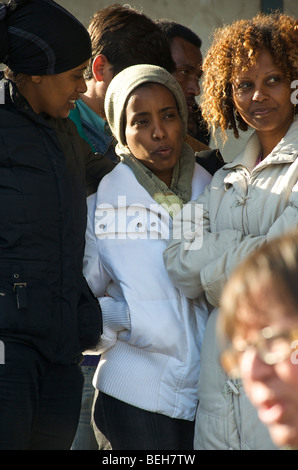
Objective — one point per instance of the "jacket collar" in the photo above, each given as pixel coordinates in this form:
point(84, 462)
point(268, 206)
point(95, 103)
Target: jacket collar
point(92, 127)
point(286, 151)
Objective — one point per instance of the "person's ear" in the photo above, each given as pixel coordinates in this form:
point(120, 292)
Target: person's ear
point(98, 67)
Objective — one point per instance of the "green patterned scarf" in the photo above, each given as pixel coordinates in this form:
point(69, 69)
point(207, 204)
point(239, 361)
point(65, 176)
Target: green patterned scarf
point(179, 192)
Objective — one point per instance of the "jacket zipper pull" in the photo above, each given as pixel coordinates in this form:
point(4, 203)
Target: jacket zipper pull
point(20, 288)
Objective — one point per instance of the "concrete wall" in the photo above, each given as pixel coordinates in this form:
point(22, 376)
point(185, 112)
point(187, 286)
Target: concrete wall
point(200, 15)
point(203, 16)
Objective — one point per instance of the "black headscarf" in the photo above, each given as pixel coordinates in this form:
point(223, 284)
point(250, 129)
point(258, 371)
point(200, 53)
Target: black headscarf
point(39, 37)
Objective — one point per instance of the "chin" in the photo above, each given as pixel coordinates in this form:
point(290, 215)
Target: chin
point(61, 115)
point(284, 436)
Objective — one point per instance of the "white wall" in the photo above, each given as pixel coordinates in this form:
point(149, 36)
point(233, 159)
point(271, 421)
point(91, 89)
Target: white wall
point(203, 16)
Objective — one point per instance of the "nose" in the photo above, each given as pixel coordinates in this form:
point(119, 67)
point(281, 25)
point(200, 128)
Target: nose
point(253, 365)
point(259, 95)
point(193, 87)
point(159, 132)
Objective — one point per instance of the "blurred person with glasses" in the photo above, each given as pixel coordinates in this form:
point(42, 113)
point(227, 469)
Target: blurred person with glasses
point(259, 320)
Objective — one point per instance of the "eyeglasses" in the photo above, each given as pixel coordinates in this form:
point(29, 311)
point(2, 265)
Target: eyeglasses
point(271, 346)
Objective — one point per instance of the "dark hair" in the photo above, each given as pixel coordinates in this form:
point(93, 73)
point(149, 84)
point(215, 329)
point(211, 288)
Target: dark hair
point(173, 30)
point(20, 79)
point(128, 37)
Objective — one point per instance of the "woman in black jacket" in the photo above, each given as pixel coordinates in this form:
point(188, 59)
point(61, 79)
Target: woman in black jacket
point(48, 315)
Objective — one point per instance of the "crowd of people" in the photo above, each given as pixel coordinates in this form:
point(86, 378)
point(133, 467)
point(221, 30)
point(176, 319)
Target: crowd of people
point(148, 289)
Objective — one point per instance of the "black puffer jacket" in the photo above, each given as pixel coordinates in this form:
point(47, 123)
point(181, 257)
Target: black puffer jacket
point(44, 299)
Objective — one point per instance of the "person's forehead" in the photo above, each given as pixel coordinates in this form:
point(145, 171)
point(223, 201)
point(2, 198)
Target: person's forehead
point(265, 307)
point(183, 50)
point(147, 90)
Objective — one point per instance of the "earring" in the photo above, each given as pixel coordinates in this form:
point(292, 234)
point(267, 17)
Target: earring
point(294, 116)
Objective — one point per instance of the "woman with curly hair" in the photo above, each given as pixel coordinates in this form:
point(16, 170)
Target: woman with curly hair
point(249, 73)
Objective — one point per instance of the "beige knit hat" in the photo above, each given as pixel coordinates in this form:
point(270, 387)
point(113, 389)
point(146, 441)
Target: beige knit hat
point(125, 82)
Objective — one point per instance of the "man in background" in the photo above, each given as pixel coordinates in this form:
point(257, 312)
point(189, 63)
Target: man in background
point(121, 36)
point(186, 52)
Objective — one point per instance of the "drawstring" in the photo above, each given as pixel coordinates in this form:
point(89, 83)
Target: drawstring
point(241, 200)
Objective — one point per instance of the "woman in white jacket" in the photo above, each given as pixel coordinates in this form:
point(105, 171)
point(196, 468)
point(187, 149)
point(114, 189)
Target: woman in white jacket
point(248, 73)
point(147, 377)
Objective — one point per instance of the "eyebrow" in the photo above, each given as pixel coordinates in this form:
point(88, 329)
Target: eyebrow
point(274, 71)
point(266, 73)
point(185, 65)
point(167, 108)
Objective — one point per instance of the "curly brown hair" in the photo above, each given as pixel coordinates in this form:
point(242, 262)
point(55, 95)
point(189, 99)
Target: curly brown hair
point(236, 48)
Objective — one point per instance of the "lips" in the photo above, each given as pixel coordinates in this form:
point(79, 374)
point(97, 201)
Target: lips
point(262, 111)
point(163, 151)
point(72, 104)
point(271, 412)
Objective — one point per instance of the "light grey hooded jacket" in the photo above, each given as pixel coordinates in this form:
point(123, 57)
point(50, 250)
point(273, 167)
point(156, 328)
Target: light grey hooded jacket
point(243, 207)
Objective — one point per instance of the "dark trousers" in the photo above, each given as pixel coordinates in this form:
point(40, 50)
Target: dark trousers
point(126, 427)
point(39, 401)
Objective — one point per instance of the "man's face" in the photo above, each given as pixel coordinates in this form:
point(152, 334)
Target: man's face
point(188, 60)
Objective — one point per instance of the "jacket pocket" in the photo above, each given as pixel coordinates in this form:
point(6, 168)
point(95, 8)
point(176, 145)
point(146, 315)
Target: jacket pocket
point(89, 319)
point(25, 301)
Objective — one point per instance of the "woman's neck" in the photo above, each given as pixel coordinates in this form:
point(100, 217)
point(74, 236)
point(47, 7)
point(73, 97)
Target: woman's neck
point(269, 139)
point(165, 176)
